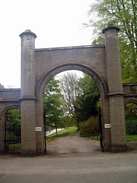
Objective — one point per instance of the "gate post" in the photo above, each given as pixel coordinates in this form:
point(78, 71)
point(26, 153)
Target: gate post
point(28, 135)
point(115, 87)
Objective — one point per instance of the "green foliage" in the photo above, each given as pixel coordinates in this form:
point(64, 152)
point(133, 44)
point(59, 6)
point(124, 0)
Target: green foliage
point(131, 126)
point(14, 117)
point(86, 104)
point(14, 122)
point(131, 119)
point(65, 132)
point(52, 87)
point(53, 105)
point(14, 147)
point(68, 121)
point(129, 111)
point(89, 127)
point(122, 13)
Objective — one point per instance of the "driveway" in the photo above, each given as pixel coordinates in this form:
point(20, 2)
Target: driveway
point(73, 144)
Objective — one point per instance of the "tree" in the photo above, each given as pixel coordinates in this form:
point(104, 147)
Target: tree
point(86, 104)
point(70, 90)
point(122, 13)
point(131, 118)
point(13, 123)
point(53, 106)
point(14, 117)
point(130, 110)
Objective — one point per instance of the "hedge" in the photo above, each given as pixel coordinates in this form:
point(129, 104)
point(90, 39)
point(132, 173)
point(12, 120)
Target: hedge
point(131, 126)
point(89, 127)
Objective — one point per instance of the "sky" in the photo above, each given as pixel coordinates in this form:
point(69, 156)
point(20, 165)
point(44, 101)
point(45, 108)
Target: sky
point(57, 23)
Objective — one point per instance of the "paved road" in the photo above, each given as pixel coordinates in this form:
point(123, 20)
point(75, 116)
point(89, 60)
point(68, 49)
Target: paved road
point(70, 167)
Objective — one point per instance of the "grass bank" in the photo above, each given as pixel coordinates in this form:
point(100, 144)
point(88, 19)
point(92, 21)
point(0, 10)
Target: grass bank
point(128, 138)
point(64, 133)
point(131, 138)
point(73, 130)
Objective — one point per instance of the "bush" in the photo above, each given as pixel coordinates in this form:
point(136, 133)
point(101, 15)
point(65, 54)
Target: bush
point(131, 126)
point(89, 127)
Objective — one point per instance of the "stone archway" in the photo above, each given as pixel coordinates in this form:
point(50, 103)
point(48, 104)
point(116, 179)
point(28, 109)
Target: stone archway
point(103, 93)
point(101, 61)
point(38, 66)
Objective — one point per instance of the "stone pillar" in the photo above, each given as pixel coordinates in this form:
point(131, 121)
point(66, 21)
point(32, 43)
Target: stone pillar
point(28, 134)
point(115, 87)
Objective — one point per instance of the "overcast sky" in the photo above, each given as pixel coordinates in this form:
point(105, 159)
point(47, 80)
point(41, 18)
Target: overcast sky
point(56, 23)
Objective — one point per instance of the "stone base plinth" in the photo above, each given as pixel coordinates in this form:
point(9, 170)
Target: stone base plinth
point(28, 153)
point(119, 148)
point(32, 154)
point(107, 149)
point(40, 152)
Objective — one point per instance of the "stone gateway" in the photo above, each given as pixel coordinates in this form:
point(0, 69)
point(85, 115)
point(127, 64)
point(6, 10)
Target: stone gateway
point(38, 66)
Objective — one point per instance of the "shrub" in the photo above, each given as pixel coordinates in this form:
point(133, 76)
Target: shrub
point(131, 126)
point(89, 127)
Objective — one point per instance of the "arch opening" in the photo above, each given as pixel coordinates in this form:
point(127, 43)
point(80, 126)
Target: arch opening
point(131, 123)
point(97, 80)
point(131, 120)
point(47, 77)
point(12, 130)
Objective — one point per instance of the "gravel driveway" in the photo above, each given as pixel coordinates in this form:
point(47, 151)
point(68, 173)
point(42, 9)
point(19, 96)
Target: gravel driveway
point(73, 144)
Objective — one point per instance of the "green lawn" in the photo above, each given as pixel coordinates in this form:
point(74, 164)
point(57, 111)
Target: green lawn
point(131, 138)
point(64, 133)
point(73, 130)
point(15, 147)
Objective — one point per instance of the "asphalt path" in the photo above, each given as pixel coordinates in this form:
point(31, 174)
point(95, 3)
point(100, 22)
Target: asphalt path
point(70, 167)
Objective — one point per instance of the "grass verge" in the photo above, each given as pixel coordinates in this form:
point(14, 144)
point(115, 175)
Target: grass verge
point(14, 147)
point(64, 133)
point(131, 138)
point(73, 130)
